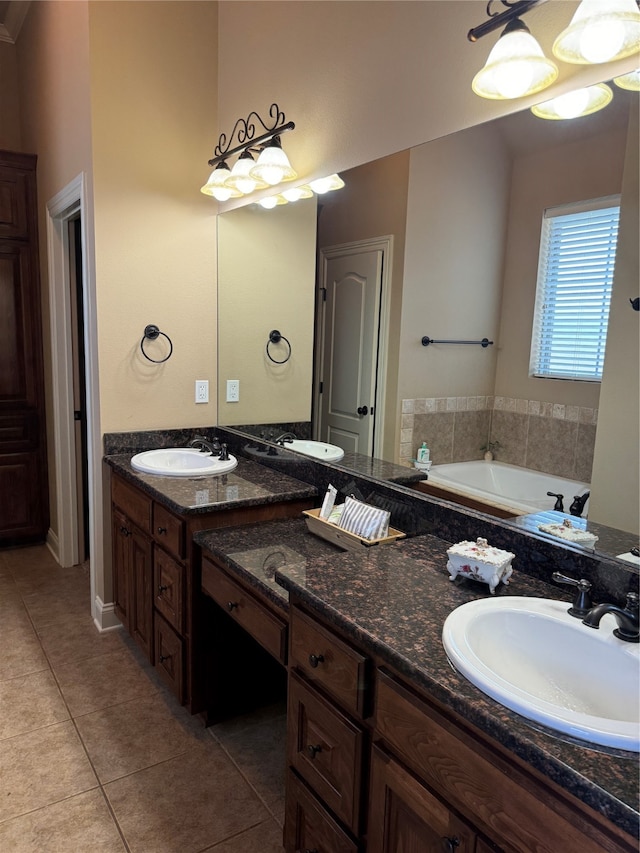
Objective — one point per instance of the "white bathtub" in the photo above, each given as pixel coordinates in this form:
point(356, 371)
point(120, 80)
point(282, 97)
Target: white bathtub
point(506, 486)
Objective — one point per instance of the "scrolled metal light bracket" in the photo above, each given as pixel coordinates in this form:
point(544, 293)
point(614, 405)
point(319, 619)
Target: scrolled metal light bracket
point(244, 130)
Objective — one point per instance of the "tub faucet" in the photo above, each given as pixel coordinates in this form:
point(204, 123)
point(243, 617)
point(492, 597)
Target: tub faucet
point(559, 506)
point(628, 624)
point(578, 504)
point(286, 436)
point(206, 446)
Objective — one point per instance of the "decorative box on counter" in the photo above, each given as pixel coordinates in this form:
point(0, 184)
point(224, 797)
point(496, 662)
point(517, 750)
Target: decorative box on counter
point(481, 562)
point(343, 538)
point(571, 531)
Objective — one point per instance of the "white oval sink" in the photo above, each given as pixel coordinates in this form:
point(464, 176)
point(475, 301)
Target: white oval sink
point(317, 449)
point(181, 462)
point(532, 657)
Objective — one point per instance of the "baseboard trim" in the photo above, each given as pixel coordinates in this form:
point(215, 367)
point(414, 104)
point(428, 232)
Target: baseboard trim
point(53, 545)
point(104, 616)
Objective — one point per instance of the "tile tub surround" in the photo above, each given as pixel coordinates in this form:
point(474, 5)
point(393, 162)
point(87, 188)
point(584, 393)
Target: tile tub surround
point(393, 600)
point(548, 437)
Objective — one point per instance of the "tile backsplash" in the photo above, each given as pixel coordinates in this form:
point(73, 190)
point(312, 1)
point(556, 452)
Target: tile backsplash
point(548, 437)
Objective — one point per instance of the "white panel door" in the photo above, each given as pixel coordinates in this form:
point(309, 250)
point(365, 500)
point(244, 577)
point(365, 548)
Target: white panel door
point(352, 284)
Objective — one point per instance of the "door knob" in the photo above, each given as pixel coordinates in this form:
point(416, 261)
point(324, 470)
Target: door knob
point(363, 410)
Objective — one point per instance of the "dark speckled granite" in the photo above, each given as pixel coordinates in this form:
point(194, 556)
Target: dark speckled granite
point(248, 484)
point(393, 600)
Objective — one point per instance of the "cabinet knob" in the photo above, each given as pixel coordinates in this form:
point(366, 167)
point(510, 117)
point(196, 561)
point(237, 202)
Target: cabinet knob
point(313, 750)
point(309, 850)
point(231, 605)
point(163, 658)
point(124, 531)
point(162, 531)
point(162, 588)
point(314, 660)
point(449, 844)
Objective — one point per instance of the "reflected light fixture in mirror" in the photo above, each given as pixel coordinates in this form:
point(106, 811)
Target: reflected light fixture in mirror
point(581, 102)
point(600, 31)
point(326, 185)
point(630, 81)
point(293, 194)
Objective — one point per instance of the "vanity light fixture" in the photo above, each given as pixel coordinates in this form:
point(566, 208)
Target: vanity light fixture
point(581, 102)
point(630, 81)
point(296, 193)
point(326, 185)
point(272, 166)
point(600, 31)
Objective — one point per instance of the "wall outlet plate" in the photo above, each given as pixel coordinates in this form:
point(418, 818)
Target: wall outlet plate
point(233, 390)
point(202, 390)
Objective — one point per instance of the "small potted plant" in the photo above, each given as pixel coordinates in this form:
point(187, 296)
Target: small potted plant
point(489, 449)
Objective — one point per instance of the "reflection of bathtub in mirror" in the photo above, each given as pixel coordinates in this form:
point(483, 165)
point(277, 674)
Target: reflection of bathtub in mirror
point(499, 486)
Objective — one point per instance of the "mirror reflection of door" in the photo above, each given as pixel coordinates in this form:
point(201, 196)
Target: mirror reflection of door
point(351, 283)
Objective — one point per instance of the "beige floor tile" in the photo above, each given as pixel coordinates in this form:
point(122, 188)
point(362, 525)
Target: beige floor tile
point(57, 605)
point(259, 753)
point(51, 580)
point(77, 639)
point(30, 702)
point(42, 767)
point(35, 558)
point(134, 735)
point(184, 805)
point(81, 823)
point(98, 682)
point(266, 837)
point(21, 650)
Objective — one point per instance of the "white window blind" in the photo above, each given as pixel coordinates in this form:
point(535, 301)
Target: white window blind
point(575, 276)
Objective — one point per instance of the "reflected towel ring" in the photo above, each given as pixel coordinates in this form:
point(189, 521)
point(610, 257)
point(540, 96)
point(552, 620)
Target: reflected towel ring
point(274, 338)
point(151, 333)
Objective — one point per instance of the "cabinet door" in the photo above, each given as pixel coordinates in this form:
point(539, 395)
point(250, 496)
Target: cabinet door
point(404, 817)
point(141, 600)
point(308, 826)
point(121, 531)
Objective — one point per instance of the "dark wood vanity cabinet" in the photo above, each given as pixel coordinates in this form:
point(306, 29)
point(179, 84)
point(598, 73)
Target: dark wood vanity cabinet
point(375, 766)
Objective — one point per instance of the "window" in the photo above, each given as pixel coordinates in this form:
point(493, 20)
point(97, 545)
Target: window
point(575, 276)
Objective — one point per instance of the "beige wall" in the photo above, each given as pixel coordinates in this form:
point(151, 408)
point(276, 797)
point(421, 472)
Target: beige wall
point(615, 498)
point(563, 174)
point(266, 270)
point(153, 96)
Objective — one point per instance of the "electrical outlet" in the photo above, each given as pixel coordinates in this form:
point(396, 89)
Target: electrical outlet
point(233, 390)
point(202, 390)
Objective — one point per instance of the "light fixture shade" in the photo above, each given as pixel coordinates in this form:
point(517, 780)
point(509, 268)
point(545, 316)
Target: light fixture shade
point(296, 193)
point(516, 66)
point(581, 102)
point(630, 81)
point(600, 31)
point(217, 187)
point(273, 165)
point(328, 184)
point(241, 178)
point(272, 201)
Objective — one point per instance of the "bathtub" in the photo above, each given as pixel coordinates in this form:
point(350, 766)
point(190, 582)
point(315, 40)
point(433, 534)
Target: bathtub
point(504, 486)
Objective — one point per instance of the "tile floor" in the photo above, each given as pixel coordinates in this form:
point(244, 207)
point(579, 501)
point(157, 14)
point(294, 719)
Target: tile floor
point(95, 755)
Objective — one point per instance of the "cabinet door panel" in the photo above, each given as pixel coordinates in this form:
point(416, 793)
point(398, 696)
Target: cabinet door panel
point(168, 588)
point(308, 826)
point(141, 604)
point(121, 531)
point(169, 660)
point(168, 530)
point(404, 817)
point(14, 194)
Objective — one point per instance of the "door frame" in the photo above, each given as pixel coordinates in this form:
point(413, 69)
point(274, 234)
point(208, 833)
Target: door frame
point(385, 245)
point(63, 541)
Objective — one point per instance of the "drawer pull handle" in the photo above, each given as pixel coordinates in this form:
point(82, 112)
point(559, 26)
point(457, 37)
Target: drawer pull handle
point(162, 531)
point(313, 750)
point(231, 605)
point(163, 658)
point(449, 844)
point(162, 588)
point(124, 531)
point(314, 660)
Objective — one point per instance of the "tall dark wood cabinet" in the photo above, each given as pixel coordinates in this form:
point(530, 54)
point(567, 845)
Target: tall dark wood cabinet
point(24, 499)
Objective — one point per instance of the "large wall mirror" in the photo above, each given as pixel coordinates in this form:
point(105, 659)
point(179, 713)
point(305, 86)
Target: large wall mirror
point(455, 224)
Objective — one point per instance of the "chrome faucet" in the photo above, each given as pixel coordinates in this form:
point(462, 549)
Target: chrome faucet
point(213, 447)
point(628, 623)
point(286, 436)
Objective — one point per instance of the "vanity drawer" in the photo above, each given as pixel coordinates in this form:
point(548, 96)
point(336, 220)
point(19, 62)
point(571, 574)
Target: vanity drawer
point(133, 503)
point(247, 611)
point(329, 662)
point(325, 748)
point(168, 530)
point(308, 826)
point(169, 656)
point(515, 810)
point(168, 588)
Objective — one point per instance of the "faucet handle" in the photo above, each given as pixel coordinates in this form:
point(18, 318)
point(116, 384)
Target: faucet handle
point(582, 602)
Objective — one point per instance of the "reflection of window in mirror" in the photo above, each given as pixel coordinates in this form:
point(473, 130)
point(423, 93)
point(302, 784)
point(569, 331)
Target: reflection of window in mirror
point(575, 277)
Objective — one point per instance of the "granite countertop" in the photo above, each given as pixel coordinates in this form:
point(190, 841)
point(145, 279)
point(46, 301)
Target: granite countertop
point(393, 600)
point(249, 484)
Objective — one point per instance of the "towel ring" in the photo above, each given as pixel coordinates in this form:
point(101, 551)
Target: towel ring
point(151, 333)
point(274, 338)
